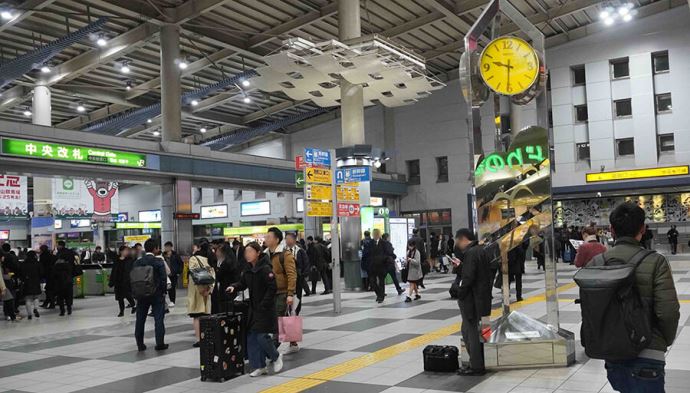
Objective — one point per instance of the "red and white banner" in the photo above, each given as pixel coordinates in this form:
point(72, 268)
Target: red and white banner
point(299, 163)
point(76, 198)
point(348, 209)
point(14, 201)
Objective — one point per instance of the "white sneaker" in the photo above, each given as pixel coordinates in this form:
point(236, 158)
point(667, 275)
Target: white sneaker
point(171, 304)
point(259, 372)
point(278, 364)
point(292, 349)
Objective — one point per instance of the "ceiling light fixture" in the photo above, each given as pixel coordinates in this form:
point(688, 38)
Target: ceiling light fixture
point(194, 102)
point(182, 63)
point(245, 83)
point(27, 112)
point(124, 68)
point(7, 15)
point(128, 85)
point(80, 107)
point(45, 69)
point(627, 17)
point(202, 130)
point(247, 99)
point(608, 21)
point(156, 133)
point(101, 41)
point(616, 12)
point(149, 121)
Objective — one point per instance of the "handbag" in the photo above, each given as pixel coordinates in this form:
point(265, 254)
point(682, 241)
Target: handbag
point(404, 273)
point(314, 274)
point(454, 290)
point(290, 328)
point(201, 276)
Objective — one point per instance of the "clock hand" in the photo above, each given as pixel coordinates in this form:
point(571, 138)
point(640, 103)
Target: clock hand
point(498, 63)
point(508, 80)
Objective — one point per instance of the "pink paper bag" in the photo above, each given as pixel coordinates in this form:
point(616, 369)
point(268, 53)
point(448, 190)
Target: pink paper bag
point(289, 329)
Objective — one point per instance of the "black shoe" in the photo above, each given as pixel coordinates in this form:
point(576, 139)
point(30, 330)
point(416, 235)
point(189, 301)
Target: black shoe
point(400, 292)
point(36, 314)
point(468, 372)
point(422, 286)
point(519, 299)
point(162, 347)
point(62, 313)
point(167, 311)
point(408, 300)
point(29, 317)
point(417, 297)
point(69, 310)
point(121, 314)
point(141, 347)
point(129, 306)
point(379, 300)
point(44, 305)
point(196, 344)
point(306, 294)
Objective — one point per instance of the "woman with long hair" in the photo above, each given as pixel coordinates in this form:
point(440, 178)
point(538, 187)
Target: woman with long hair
point(119, 279)
point(199, 296)
point(414, 270)
point(228, 272)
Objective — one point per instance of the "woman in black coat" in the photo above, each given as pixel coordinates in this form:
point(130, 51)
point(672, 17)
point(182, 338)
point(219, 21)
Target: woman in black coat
point(228, 272)
point(47, 260)
point(30, 272)
point(119, 278)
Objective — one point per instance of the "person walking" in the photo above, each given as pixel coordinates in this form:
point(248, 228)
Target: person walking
point(227, 273)
point(47, 260)
point(421, 247)
point(655, 285)
point(7, 290)
point(380, 251)
point(648, 238)
point(302, 265)
point(414, 270)
point(590, 248)
point(316, 252)
point(390, 265)
point(199, 296)
point(672, 235)
point(262, 320)
point(172, 258)
point(285, 272)
point(365, 264)
point(156, 301)
point(30, 272)
point(63, 270)
point(474, 297)
point(119, 280)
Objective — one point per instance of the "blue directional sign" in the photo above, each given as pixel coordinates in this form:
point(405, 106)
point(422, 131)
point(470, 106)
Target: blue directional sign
point(353, 175)
point(317, 157)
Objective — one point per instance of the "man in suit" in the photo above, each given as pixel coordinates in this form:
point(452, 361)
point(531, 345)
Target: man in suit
point(379, 253)
point(156, 301)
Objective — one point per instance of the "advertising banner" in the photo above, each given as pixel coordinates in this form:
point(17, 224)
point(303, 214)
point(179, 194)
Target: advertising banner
point(13, 196)
point(74, 199)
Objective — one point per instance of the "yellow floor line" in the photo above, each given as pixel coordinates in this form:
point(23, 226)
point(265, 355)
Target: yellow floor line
point(338, 370)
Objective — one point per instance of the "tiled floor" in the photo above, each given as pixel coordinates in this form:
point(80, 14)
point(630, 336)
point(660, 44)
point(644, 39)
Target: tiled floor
point(366, 348)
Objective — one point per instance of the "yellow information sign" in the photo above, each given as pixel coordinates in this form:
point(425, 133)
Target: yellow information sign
point(350, 194)
point(319, 209)
point(134, 239)
point(319, 192)
point(637, 174)
point(318, 175)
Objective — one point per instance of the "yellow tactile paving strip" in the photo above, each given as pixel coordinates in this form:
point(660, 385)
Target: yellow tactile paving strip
point(338, 370)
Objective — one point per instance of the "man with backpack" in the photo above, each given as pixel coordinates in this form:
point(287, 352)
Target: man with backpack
point(148, 281)
point(630, 308)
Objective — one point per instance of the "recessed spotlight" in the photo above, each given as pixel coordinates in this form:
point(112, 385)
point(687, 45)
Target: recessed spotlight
point(245, 83)
point(27, 112)
point(45, 69)
point(6, 15)
point(608, 21)
point(81, 108)
point(627, 17)
point(202, 130)
point(149, 121)
point(124, 67)
point(247, 99)
point(101, 41)
point(156, 133)
point(182, 64)
point(194, 102)
point(603, 15)
point(623, 11)
point(377, 164)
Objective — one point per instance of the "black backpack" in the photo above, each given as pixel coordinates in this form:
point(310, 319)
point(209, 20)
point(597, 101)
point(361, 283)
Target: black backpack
point(616, 322)
point(143, 281)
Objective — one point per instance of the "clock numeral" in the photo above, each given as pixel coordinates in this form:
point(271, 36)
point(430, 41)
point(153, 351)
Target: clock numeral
point(509, 88)
point(486, 66)
point(507, 44)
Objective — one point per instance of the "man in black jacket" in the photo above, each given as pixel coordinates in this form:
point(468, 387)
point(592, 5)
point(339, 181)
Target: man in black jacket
point(62, 275)
point(176, 266)
point(156, 302)
point(474, 297)
point(381, 250)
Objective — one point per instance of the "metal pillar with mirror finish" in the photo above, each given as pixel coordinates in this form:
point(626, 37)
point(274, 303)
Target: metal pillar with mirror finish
point(503, 217)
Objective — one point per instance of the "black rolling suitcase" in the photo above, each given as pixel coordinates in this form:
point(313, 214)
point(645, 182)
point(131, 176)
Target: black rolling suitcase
point(441, 358)
point(222, 346)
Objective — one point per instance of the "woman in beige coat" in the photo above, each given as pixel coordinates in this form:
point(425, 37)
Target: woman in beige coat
point(199, 297)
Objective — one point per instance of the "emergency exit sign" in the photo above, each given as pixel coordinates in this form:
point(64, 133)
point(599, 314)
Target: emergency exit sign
point(26, 148)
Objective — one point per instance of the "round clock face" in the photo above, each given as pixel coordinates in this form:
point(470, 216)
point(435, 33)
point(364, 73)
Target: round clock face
point(509, 65)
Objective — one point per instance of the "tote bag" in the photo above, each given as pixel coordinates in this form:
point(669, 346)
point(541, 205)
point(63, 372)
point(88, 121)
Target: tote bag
point(290, 329)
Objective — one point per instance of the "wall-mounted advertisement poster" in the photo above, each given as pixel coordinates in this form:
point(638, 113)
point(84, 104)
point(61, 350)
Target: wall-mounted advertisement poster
point(215, 211)
point(13, 196)
point(256, 208)
point(87, 198)
point(150, 216)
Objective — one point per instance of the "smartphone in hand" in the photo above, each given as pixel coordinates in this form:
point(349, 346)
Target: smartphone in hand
point(456, 261)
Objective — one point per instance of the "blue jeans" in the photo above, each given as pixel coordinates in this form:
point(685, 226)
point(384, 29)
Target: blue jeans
point(259, 347)
point(157, 304)
point(637, 375)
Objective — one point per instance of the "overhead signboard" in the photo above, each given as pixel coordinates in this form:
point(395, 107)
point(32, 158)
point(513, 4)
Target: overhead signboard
point(317, 157)
point(319, 209)
point(256, 208)
point(353, 175)
point(317, 191)
point(134, 239)
point(318, 175)
point(4, 234)
point(14, 196)
point(186, 216)
point(348, 209)
point(299, 179)
point(26, 148)
point(149, 216)
point(638, 174)
point(255, 230)
point(215, 211)
point(376, 201)
point(299, 163)
point(348, 193)
point(137, 225)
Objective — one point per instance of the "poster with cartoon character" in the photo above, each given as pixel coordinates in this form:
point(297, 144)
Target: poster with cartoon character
point(88, 198)
point(13, 196)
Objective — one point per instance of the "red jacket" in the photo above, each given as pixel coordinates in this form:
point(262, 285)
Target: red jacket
point(587, 251)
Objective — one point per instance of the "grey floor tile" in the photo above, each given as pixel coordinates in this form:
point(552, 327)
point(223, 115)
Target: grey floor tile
point(135, 356)
point(677, 378)
point(567, 317)
point(316, 303)
point(440, 314)
point(364, 324)
point(343, 311)
point(306, 356)
point(37, 365)
point(443, 381)
point(373, 347)
point(346, 387)
point(55, 343)
point(146, 382)
point(430, 291)
point(685, 279)
point(402, 304)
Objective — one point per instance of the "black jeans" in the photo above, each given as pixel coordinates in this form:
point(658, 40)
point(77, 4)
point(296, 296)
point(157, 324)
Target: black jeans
point(172, 292)
point(674, 247)
point(121, 302)
point(157, 303)
point(298, 292)
point(378, 282)
point(325, 278)
point(518, 283)
point(391, 270)
point(65, 297)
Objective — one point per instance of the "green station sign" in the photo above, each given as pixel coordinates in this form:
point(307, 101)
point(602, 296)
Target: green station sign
point(61, 152)
point(137, 225)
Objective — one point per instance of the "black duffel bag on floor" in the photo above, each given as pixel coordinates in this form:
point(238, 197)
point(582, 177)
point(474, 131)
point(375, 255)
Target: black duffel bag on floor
point(441, 358)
